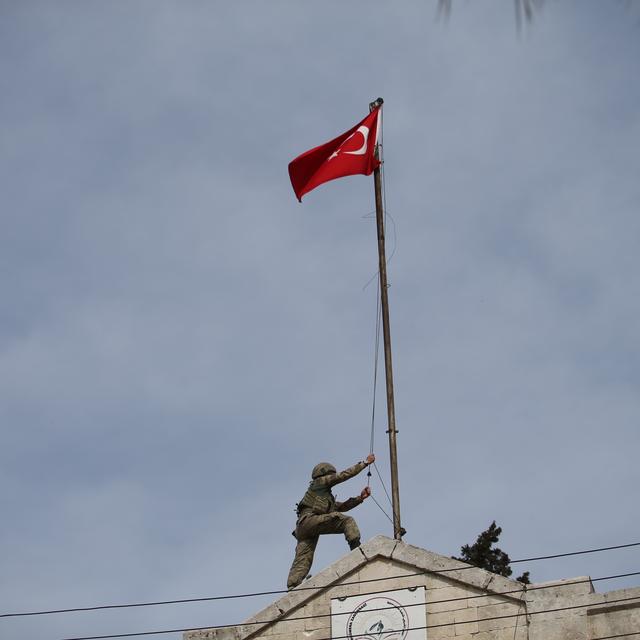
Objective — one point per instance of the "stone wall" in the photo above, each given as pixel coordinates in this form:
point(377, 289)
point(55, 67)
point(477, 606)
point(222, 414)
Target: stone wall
point(462, 603)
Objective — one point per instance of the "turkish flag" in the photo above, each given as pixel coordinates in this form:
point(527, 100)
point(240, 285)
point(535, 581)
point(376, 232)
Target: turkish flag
point(349, 154)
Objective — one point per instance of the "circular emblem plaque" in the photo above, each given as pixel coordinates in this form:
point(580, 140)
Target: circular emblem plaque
point(378, 618)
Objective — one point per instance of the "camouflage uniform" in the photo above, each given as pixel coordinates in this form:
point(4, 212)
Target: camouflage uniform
point(319, 513)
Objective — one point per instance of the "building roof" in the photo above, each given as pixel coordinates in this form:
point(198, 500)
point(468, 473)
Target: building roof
point(413, 561)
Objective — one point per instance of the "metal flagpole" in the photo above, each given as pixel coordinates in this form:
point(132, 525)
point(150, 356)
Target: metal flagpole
point(398, 531)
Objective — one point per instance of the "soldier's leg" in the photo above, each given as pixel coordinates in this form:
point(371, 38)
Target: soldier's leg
point(336, 522)
point(302, 561)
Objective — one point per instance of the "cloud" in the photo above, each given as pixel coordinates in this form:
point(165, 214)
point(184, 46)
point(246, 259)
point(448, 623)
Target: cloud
point(181, 341)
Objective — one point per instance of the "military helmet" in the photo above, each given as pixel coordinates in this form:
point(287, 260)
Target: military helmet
point(322, 469)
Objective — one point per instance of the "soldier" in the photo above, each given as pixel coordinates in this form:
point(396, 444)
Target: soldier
point(318, 513)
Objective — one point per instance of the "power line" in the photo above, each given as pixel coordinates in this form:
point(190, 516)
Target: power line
point(429, 626)
point(521, 591)
point(300, 588)
point(491, 594)
point(578, 553)
point(506, 593)
point(531, 613)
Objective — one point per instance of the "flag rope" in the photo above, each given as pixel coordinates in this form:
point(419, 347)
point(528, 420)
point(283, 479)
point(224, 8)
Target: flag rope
point(375, 378)
point(376, 360)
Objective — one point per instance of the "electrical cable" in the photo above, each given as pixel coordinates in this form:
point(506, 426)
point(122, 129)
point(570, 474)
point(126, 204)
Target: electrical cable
point(577, 553)
point(300, 588)
point(429, 626)
point(371, 593)
point(513, 591)
point(446, 600)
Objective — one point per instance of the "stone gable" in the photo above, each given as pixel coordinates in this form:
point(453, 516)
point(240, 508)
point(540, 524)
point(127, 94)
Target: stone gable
point(462, 602)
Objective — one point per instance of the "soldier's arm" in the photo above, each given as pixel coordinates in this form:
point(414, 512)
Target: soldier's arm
point(337, 478)
point(353, 502)
point(349, 504)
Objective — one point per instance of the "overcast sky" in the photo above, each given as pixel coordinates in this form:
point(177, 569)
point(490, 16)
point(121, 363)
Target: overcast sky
point(181, 340)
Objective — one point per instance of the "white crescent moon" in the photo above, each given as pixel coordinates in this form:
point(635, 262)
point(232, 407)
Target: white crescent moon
point(363, 149)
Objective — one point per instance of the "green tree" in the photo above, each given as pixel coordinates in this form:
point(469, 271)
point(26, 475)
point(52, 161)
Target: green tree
point(484, 555)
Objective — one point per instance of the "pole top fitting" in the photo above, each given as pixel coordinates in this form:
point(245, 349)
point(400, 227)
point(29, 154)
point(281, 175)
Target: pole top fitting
point(375, 104)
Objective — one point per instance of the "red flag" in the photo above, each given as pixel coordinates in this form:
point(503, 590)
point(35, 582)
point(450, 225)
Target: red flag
point(349, 154)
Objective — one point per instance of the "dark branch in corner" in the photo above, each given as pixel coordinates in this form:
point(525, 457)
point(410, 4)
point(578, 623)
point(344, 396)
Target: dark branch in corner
point(522, 7)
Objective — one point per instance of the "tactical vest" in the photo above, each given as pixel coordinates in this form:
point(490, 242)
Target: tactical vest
point(317, 498)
